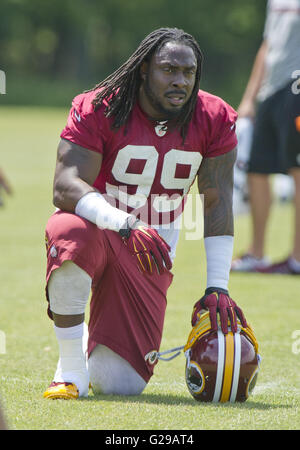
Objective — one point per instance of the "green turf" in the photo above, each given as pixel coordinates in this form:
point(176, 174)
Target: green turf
point(28, 141)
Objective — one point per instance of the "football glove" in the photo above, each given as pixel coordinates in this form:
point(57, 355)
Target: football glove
point(217, 300)
point(151, 251)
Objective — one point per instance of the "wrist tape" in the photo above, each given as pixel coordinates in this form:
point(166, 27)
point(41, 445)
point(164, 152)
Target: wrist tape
point(219, 251)
point(97, 210)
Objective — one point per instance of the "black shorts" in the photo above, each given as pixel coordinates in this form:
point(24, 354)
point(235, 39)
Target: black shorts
point(276, 139)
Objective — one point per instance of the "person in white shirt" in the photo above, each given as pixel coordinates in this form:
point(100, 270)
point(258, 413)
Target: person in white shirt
point(272, 100)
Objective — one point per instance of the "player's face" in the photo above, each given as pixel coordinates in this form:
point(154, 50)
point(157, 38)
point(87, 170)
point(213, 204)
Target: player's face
point(168, 81)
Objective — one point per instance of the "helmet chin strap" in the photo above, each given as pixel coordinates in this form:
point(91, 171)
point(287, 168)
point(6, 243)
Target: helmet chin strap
point(166, 352)
point(153, 356)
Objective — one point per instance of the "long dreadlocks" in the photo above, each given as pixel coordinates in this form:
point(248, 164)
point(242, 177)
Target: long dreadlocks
point(120, 89)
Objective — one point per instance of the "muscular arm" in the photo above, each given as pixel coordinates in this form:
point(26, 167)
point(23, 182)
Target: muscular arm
point(215, 182)
point(75, 173)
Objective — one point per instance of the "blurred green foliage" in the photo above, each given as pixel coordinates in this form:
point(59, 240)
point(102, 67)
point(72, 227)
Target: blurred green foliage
point(53, 49)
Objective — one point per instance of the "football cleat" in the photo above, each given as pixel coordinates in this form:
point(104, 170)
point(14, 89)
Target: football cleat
point(221, 368)
point(283, 267)
point(61, 390)
point(248, 263)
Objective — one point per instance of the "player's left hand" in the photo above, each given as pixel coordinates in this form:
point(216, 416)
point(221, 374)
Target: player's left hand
point(150, 249)
point(217, 300)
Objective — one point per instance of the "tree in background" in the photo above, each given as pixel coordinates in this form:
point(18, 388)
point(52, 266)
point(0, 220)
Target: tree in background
point(51, 50)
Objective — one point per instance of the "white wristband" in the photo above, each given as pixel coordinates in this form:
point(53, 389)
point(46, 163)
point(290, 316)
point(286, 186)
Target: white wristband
point(97, 210)
point(219, 251)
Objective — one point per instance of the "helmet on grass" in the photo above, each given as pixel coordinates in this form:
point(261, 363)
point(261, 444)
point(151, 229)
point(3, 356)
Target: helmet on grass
point(221, 368)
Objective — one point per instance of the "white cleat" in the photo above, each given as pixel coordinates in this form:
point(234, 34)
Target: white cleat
point(248, 263)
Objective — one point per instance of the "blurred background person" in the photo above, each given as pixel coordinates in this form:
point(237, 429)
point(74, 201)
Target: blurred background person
point(272, 100)
point(4, 186)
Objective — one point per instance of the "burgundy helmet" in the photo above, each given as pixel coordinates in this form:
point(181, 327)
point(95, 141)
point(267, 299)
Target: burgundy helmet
point(221, 368)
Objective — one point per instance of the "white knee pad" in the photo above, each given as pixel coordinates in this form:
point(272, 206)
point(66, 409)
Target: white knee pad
point(111, 374)
point(69, 288)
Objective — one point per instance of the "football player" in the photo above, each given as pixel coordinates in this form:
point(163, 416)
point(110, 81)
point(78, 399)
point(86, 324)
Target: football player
point(130, 151)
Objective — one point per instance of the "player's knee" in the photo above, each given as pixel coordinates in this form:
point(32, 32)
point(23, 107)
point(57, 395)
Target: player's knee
point(71, 227)
point(69, 289)
point(111, 374)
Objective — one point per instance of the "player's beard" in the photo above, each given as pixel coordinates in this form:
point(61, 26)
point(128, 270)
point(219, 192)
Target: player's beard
point(167, 114)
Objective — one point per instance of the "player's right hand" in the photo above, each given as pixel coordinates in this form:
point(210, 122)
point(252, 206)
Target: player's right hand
point(149, 248)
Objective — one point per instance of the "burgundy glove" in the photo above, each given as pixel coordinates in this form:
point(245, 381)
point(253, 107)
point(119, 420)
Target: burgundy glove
point(151, 251)
point(217, 300)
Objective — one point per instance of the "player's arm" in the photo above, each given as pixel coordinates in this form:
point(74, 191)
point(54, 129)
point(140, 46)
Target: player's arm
point(215, 182)
point(75, 172)
point(247, 105)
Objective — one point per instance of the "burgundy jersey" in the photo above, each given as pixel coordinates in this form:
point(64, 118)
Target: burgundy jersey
point(148, 169)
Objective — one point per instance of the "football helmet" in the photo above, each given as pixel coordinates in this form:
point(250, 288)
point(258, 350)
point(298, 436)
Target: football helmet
point(219, 367)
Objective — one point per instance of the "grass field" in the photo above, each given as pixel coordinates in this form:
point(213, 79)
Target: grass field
point(28, 141)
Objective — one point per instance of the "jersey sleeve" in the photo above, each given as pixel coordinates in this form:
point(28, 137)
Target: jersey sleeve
point(267, 21)
point(223, 136)
point(84, 125)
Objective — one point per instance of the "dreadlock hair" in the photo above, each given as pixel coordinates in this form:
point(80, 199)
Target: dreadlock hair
point(120, 89)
